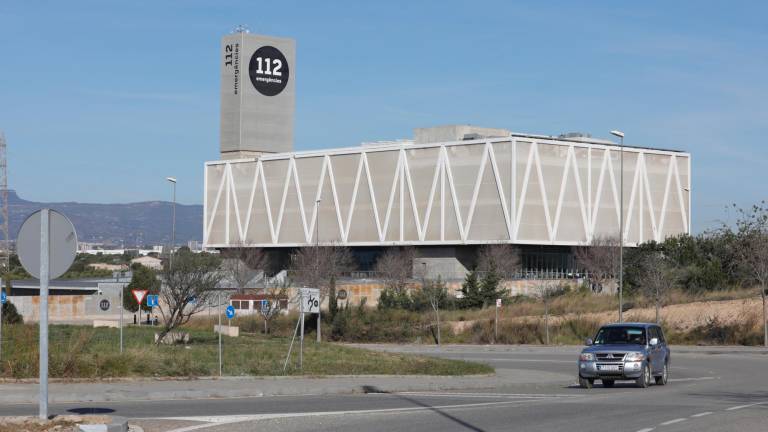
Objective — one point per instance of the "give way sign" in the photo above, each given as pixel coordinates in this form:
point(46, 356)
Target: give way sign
point(139, 295)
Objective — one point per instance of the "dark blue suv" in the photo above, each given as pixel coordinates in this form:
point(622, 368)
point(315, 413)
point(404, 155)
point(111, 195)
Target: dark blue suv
point(625, 351)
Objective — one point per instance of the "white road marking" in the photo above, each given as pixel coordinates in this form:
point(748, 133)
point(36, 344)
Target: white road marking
point(646, 430)
point(701, 414)
point(745, 406)
point(706, 378)
point(488, 395)
point(677, 420)
point(212, 421)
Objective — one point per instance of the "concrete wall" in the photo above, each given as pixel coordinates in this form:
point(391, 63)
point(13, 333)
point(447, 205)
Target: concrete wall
point(73, 308)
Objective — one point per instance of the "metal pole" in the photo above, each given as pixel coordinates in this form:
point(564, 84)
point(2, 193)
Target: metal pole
point(173, 226)
point(496, 326)
point(301, 344)
point(44, 258)
point(122, 288)
point(317, 269)
point(219, 307)
point(621, 231)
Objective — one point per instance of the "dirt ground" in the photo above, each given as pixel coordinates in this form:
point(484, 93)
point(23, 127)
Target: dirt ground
point(681, 317)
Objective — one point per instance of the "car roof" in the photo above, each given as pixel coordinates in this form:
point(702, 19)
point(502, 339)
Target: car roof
point(635, 324)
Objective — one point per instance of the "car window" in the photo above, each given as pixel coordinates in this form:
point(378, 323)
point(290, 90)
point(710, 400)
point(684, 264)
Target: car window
point(620, 335)
point(660, 335)
point(652, 333)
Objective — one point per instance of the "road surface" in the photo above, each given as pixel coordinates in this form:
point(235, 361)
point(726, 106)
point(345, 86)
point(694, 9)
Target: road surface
point(709, 390)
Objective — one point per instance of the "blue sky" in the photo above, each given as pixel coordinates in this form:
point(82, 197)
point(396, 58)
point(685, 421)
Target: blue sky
point(100, 101)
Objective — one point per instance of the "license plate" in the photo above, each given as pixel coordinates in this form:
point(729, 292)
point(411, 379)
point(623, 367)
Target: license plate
point(614, 368)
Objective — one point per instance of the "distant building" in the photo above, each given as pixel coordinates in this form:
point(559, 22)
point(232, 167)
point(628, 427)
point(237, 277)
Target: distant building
point(148, 261)
point(110, 267)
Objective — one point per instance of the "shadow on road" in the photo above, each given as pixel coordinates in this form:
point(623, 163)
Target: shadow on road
point(372, 389)
point(91, 410)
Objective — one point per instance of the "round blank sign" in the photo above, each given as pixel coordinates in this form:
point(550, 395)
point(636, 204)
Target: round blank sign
point(62, 243)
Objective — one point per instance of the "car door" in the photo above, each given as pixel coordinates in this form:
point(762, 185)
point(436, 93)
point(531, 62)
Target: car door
point(653, 351)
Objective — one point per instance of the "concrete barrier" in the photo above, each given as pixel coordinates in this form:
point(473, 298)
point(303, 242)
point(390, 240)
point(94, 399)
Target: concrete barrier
point(231, 331)
point(106, 323)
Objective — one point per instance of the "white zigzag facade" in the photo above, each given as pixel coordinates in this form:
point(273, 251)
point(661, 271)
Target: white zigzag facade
point(516, 189)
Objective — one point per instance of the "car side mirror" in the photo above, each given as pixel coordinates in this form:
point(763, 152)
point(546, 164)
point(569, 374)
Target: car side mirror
point(588, 342)
point(654, 341)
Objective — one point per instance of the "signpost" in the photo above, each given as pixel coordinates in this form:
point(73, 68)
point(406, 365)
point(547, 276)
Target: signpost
point(139, 296)
point(496, 321)
point(309, 302)
point(47, 245)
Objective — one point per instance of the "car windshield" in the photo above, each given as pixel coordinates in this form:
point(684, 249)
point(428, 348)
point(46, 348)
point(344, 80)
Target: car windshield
point(620, 335)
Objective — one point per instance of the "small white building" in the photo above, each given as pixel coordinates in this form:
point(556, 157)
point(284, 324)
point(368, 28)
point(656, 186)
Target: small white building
point(149, 261)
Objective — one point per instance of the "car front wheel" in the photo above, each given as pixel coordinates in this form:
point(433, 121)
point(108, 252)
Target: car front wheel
point(586, 383)
point(662, 380)
point(645, 378)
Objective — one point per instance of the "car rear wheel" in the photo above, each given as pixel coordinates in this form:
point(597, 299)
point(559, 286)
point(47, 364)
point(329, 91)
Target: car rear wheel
point(586, 383)
point(645, 378)
point(664, 377)
point(608, 383)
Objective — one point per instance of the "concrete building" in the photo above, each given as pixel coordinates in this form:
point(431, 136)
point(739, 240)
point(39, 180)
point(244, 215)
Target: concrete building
point(446, 191)
point(551, 192)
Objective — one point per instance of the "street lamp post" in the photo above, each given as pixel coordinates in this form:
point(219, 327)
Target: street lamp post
point(173, 221)
point(620, 134)
point(317, 262)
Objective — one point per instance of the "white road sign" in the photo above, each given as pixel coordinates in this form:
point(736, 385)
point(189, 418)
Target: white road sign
point(309, 300)
point(62, 243)
point(498, 302)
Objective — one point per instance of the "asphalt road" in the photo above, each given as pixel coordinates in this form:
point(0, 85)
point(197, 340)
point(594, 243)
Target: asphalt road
point(709, 390)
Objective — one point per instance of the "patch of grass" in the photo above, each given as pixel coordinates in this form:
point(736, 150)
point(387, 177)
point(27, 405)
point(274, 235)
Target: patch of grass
point(83, 352)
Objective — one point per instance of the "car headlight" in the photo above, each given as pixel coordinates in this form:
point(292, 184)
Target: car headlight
point(635, 357)
point(587, 357)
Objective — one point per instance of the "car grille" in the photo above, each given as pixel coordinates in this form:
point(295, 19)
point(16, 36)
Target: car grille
point(610, 357)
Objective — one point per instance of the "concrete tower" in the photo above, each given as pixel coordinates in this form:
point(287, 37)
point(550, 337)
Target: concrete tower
point(258, 95)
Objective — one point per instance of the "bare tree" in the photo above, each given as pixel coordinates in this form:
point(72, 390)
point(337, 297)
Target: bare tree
point(395, 267)
point(658, 277)
point(600, 260)
point(187, 288)
point(274, 296)
point(751, 250)
point(319, 267)
point(545, 290)
point(242, 264)
point(436, 294)
point(503, 258)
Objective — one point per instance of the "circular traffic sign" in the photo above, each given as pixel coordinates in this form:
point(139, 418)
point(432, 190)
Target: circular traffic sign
point(104, 305)
point(230, 312)
point(62, 244)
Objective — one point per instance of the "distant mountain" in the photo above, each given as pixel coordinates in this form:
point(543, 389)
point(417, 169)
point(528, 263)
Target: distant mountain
point(120, 224)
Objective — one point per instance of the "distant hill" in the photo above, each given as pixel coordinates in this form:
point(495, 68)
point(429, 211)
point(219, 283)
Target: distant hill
point(129, 224)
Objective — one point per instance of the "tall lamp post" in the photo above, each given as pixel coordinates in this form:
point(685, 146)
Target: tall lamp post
point(173, 221)
point(620, 134)
point(317, 261)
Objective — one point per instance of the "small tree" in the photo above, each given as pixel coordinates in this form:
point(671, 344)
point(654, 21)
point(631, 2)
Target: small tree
point(11, 315)
point(751, 251)
point(658, 277)
point(395, 267)
point(502, 258)
point(490, 289)
point(242, 264)
point(436, 294)
point(144, 278)
point(545, 290)
point(187, 288)
point(600, 260)
point(470, 292)
point(269, 310)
